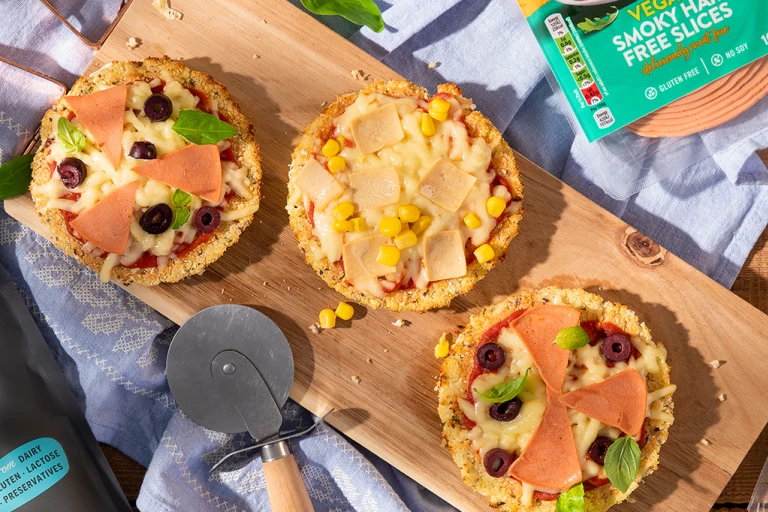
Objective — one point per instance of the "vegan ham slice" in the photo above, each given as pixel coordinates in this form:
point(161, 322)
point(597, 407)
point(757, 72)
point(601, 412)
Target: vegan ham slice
point(550, 460)
point(194, 169)
point(108, 224)
point(618, 401)
point(538, 328)
point(102, 113)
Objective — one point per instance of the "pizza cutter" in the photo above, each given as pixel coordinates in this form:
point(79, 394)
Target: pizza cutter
point(230, 370)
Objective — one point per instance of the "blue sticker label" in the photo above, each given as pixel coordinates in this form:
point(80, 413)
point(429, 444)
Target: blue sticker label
point(29, 471)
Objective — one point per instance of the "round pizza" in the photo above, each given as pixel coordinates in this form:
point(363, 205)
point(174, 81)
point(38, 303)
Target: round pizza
point(403, 200)
point(554, 395)
point(147, 171)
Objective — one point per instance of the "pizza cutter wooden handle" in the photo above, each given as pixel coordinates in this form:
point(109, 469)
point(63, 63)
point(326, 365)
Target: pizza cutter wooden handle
point(286, 489)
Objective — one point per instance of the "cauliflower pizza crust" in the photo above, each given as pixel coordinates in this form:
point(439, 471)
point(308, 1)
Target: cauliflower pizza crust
point(436, 293)
point(507, 493)
point(240, 152)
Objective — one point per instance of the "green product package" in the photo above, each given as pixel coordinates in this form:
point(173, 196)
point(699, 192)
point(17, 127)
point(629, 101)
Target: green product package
point(618, 62)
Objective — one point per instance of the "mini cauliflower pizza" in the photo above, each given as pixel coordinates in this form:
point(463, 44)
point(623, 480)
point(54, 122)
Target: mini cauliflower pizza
point(555, 396)
point(401, 200)
point(147, 171)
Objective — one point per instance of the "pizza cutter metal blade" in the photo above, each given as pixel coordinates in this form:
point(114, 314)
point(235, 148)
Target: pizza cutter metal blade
point(230, 369)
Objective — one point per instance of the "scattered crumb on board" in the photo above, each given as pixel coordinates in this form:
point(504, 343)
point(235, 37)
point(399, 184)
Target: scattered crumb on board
point(705, 442)
point(716, 364)
point(133, 42)
point(359, 74)
point(356, 379)
point(401, 322)
point(722, 397)
point(315, 329)
point(369, 360)
point(165, 9)
point(432, 65)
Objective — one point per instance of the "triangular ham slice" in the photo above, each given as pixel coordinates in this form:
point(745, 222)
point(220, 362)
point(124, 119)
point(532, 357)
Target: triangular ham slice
point(108, 224)
point(538, 328)
point(102, 113)
point(618, 401)
point(550, 460)
point(194, 169)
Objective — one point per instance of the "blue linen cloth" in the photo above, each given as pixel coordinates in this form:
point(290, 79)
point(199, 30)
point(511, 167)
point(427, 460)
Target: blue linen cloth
point(112, 347)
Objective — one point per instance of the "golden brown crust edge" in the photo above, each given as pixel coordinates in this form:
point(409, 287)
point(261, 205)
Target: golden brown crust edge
point(439, 293)
point(505, 494)
point(244, 148)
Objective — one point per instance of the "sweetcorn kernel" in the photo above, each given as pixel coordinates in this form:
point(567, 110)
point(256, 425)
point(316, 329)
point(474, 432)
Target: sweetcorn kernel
point(388, 255)
point(440, 116)
point(442, 348)
point(358, 225)
point(495, 206)
point(390, 226)
point(343, 211)
point(439, 105)
point(345, 311)
point(422, 224)
point(341, 140)
point(405, 239)
point(408, 213)
point(484, 253)
point(472, 221)
point(343, 226)
point(327, 319)
point(331, 148)
point(427, 125)
point(337, 163)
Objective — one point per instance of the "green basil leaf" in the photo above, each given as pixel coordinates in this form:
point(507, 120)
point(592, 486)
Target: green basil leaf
point(180, 217)
point(572, 338)
point(505, 391)
point(180, 198)
point(359, 12)
point(71, 139)
point(572, 500)
point(201, 128)
point(622, 461)
point(589, 25)
point(15, 176)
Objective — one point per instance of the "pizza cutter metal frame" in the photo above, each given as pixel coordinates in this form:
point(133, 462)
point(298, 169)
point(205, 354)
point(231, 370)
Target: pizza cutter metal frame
point(230, 369)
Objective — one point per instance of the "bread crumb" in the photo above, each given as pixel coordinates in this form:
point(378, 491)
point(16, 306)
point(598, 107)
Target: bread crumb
point(722, 397)
point(133, 42)
point(716, 364)
point(401, 322)
point(369, 361)
point(359, 74)
point(356, 379)
point(386, 350)
point(222, 291)
point(165, 9)
point(264, 283)
point(264, 21)
point(289, 288)
point(432, 65)
point(323, 104)
point(705, 442)
point(315, 329)
point(256, 56)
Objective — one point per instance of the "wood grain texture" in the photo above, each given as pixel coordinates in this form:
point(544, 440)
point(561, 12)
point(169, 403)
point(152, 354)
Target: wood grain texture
point(565, 239)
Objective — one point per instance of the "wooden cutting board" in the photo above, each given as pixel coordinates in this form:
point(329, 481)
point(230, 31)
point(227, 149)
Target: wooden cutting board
point(281, 65)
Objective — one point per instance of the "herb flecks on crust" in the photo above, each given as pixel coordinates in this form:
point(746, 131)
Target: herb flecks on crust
point(369, 204)
point(459, 408)
point(194, 246)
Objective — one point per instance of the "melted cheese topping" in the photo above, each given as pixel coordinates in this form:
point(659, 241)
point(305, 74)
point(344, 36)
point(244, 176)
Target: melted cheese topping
point(102, 178)
point(586, 366)
point(412, 157)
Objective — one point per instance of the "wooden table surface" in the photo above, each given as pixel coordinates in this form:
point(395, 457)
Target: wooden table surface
point(751, 285)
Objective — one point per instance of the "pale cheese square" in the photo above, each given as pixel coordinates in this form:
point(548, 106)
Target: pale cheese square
point(360, 257)
point(444, 256)
point(446, 185)
point(378, 128)
point(375, 187)
point(318, 184)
